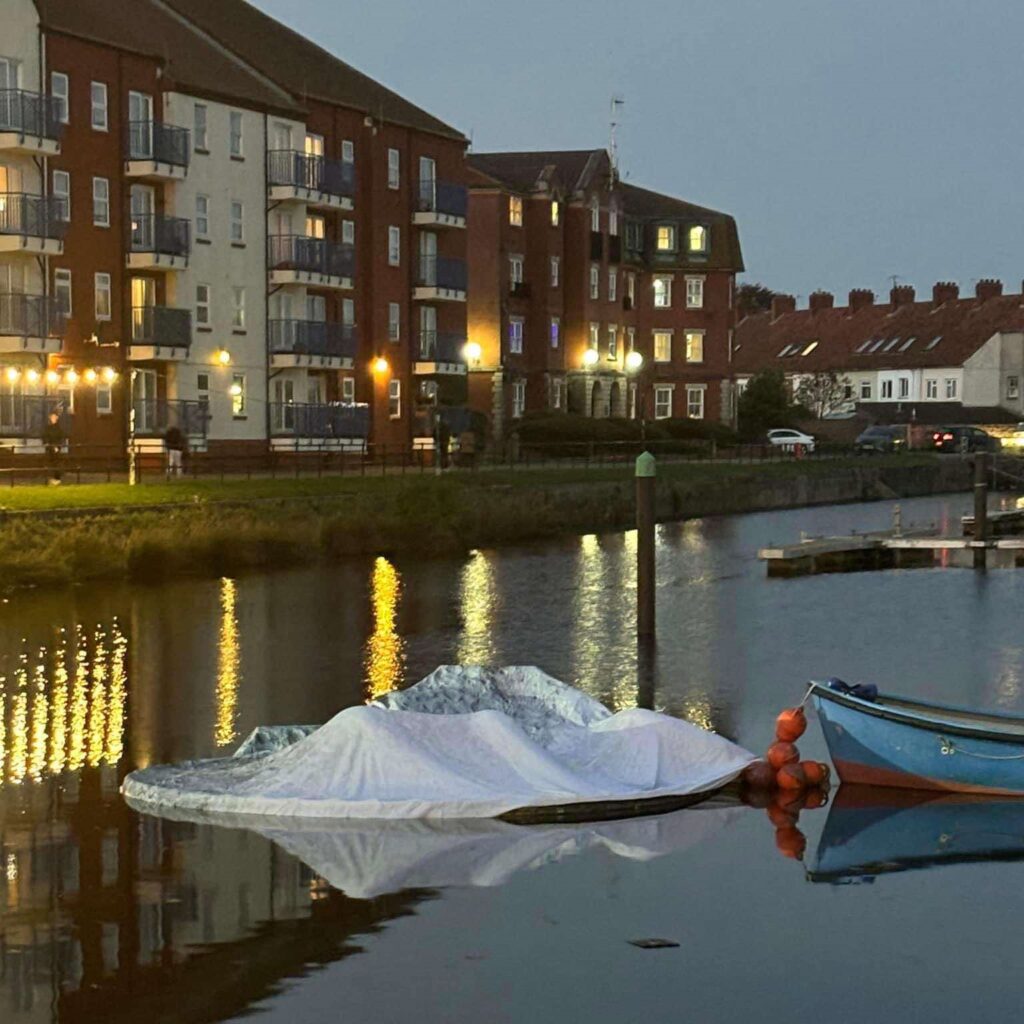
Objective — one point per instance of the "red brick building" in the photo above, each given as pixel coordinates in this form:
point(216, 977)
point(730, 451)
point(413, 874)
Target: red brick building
point(572, 270)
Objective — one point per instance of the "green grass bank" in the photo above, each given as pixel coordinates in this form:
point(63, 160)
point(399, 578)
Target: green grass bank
point(54, 536)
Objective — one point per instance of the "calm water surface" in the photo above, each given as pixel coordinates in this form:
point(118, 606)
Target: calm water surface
point(109, 916)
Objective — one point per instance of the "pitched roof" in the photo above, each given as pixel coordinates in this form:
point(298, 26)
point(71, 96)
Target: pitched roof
point(192, 62)
point(571, 170)
point(301, 66)
point(875, 337)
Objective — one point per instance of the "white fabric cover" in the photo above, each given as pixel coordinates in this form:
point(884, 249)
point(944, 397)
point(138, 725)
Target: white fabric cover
point(536, 743)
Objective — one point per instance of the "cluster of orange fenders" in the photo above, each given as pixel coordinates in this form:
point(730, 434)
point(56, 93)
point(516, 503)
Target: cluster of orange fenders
point(784, 785)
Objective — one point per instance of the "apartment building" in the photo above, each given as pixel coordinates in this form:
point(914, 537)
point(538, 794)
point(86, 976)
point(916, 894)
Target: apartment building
point(945, 353)
point(593, 296)
point(251, 240)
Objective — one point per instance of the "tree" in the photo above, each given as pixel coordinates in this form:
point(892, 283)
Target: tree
point(765, 404)
point(753, 298)
point(822, 392)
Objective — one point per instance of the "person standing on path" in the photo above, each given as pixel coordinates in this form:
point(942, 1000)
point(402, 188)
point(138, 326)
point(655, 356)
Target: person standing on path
point(174, 441)
point(53, 443)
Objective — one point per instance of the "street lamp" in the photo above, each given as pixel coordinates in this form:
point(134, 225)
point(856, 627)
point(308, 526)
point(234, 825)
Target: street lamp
point(591, 358)
point(473, 352)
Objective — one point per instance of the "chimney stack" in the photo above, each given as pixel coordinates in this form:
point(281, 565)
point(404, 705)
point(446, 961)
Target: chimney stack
point(819, 301)
point(902, 295)
point(988, 288)
point(782, 304)
point(945, 291)
point(861, 298)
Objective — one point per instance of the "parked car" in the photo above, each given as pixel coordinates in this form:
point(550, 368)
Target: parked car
point(876, 440)
point(964, 439)
point(791, 440)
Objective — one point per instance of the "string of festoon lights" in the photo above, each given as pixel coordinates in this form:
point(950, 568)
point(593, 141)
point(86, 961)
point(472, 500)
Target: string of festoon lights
point(65, 377)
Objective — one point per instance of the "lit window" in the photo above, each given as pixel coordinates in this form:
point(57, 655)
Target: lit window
point(613, 341)
point(104, 399)
point(200, 138)
point(887, 389)
point(238, 309)
point(865, 390)
point(663, 403)
point(613, 285)
point(98, 107)
point(556, 394)
point(394, 168)
point(595, 281)
point(951, 387)
point(1013, 387)
point(556, 213)
point(59, 91)
point(809, 348)
point(630, 339)
point(595, 214)
point(698, 238)
point(394, 246)
point(931, 388)
point(348, 390)
point(515, 211)
point(202, 217)
point(631, 289)
point(695, 403)
point(237, 222)
point(395, 399)
point(556, 268)
point(103, 302)
point(515, 270)
point(666, 238)
point(613, 219)
point(394, 321)
point(62, 193)
point(237, 141)
point(663, 291)
point(202, 305)
point(595, 336)
point(316, 226)
point(62, 291)
point(238, 404)
point(515, 335)
point(101, 202)
point(695, 293)
point(663, 346)
point(518, 398)
point(556, 331)
point(695, 346)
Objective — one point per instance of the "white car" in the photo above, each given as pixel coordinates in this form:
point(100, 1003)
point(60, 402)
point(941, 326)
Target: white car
point(790, 440)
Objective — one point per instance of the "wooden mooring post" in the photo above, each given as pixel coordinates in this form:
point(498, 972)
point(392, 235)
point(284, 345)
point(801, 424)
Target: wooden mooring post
point(646, 574)
point(981, 509)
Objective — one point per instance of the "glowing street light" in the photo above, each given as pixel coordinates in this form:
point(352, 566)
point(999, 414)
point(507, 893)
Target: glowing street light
point(13, 374)
point(52, 377)
point(380, 365)
point(591, 358)
point(634, 361)
point(109, 375)
point(90, 376)
point(32, 376)
point(473, 352)
point(224, 357)
point(71, 377)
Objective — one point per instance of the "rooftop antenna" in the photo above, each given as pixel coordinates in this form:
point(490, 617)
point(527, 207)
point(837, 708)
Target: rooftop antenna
point(617, 102)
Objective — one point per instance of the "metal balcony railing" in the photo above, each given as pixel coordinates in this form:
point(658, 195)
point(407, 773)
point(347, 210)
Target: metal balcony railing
point(153, 232)
point(30, 113)
point(30, 316)
point(315, 255)
point(312, 338)
point(302, 420)
point(161, 326)
point(27, 415)
point(442, 347)
point(153, 140)
point(443, 197)
point(153, 417)
point(441, 272)
point(300, 170)
point(32, 216)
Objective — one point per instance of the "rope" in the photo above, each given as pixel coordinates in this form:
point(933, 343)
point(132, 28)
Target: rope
point(949, 748)
point(807, 695)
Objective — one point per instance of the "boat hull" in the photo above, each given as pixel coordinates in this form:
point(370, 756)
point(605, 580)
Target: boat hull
point(872, 746)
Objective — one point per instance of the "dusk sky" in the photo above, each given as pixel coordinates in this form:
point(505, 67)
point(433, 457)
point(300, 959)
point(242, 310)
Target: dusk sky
point(851, 140)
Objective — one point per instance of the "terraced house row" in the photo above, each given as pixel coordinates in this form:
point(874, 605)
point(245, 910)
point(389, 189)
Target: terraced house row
point(208, 222)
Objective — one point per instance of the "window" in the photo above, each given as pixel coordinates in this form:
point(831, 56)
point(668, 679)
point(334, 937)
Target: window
point(595, 281)
point(202, 305)
point(203, 217)
point(101, 202)
point(890, 345)
point(1013, 387)
point(663, 291)
point(809, 348)
point(695, 346)
point(886, 389)
point(556, 213)
point(238, 309)
point(59, 92)
point(632, 402)
point(663, 403)
point(98, 116)
point(663, 346)
point(556, 271)
point(348, 156)
point(931, 388)
point(631, 289)
point(515, 270)
point(695, 403)
point(316, 226)
point(865, 390)
point(237, 222)
point(238, 396)
point(695, 293)
point(348, 232)
point(613, 341)
point(203, 387)
point(904, 387)
point(931, 344)
point(613, 219)
point(394, 321)
point(951, 387)
point(200, 138)
point(237, 142)
point(348, 311)
point(348, 390)
point(666, 238)
point(62, 291)
point(556, 394)
point(698, 238)
point(515, 211)
point(595, 214)
point(394, 168)
point(102, 291)
point(630, 339)
point(518, 398)
point(395, 399)
point(595, 336)
point(104, 399)
point(62, 192)
point(556, 331)
point(613, 285)
point(394, 246)
point(515, 335)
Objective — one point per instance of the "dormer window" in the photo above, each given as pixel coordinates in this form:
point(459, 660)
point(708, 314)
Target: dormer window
point(515, 211)
point(613, 220)
point(810, 348)
point(556, 213)
point(595, 214)
point(698, 238)
point(666, 238)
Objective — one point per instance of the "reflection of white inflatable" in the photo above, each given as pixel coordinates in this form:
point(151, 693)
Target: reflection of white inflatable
point(463, 743)
point(367, 859)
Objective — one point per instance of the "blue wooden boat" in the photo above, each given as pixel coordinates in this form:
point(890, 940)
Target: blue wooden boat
point(893, 741)
point(873, 831)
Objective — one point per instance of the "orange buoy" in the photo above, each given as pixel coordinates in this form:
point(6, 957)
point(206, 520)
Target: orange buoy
point(791, 842)
point(815, 771)
point(815, 798)
point(759, 798)
point(791, 800)
point(759, 775)
point(781, 817)
point(791, 725)
point(791, 776)
point(782, 753)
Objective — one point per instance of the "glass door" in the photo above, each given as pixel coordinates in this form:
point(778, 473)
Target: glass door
point(144, 402)
point(428, 333)
point(140, 126)
point(428, 183)
point(283, 418)
point(143, 301)
point(428, 259)
point(142, 206)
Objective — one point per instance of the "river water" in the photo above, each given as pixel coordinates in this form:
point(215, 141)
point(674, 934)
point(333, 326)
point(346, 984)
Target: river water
point(109, 916)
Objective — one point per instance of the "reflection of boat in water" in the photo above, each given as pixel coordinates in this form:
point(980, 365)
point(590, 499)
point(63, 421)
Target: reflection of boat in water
point(893, 741)
point(874, 831)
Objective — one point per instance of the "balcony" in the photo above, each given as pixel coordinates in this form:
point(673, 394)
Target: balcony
point(314, 262)
point(294, 177)
point(29, 123)
point(441, 204)
point(153, 417)
point(441, 352)
point(295, 426)
point(157, 242)
point(440, 278)
point(156, 152)
point(160, 333)
point(312, 343)
point(30, 324)
point(34, 225)
point(25, 416)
